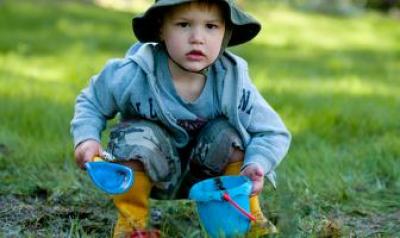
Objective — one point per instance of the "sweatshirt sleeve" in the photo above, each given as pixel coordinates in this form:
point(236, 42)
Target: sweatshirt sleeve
point(94, 105)
point(270, 138)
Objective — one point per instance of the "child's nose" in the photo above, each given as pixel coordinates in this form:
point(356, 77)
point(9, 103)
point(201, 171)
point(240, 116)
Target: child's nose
point(197, 36)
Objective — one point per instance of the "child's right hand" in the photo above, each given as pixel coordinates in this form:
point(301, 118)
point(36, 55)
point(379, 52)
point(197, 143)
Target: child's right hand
point(86, 151)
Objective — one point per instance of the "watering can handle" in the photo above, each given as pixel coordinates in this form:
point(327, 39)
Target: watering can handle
point(233, 203)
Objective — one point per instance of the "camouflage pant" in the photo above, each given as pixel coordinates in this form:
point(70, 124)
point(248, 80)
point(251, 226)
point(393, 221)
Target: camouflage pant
point(174, 170)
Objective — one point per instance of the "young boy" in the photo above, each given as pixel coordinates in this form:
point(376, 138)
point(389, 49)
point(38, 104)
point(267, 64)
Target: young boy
point(188, 109)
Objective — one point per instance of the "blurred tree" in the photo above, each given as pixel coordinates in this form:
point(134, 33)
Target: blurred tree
point(339, 7)
point(344, 7)
point(384, 5)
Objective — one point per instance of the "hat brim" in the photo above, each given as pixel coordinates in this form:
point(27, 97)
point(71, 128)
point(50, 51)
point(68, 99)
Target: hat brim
point(146, 26)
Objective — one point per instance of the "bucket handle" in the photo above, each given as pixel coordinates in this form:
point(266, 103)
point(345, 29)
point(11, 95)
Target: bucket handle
point(227, 197)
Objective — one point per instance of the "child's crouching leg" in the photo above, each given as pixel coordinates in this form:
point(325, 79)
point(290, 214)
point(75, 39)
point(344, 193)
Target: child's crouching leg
point(144, 146)
point(133, 206)
point(262, 226)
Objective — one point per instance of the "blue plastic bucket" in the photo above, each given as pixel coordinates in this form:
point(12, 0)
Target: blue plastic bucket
point(218, 217)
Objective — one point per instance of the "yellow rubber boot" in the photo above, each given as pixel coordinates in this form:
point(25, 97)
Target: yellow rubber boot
point(262, 226)
point(133, 206)
point(233, 168)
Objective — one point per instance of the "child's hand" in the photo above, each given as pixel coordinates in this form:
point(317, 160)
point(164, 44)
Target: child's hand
point(86, 151)
point(256, 174)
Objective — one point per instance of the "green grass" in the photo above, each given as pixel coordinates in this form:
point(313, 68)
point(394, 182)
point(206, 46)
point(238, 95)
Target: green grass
point(335, 81)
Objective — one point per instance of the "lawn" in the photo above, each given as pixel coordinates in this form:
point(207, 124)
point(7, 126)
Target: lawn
point(334, 80)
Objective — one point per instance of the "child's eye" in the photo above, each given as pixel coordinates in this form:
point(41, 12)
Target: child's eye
point(182, 24)
point(211, 26)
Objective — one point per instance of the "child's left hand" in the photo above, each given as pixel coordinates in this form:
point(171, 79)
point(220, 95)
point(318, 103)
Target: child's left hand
point(255, 174)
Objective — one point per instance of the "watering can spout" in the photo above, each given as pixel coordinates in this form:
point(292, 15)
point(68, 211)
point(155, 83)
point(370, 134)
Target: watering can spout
point(110, 177)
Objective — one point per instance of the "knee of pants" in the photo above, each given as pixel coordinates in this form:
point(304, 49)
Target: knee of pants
point(147, 142)
point(217, 145)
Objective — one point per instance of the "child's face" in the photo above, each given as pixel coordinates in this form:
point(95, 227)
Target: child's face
point(193, 35)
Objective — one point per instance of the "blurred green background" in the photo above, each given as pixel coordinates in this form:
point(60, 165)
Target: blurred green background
point(330, 68)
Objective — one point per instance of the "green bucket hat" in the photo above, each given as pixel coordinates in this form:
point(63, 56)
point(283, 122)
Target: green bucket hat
point(244, 27)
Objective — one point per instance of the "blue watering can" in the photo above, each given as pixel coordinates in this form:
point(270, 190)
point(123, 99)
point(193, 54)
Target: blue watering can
point(110, 177)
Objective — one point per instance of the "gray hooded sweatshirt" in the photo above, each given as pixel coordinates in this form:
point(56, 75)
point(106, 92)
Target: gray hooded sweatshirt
point(125, 84)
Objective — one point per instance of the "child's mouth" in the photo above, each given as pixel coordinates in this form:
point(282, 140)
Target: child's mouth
point(195, 55)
